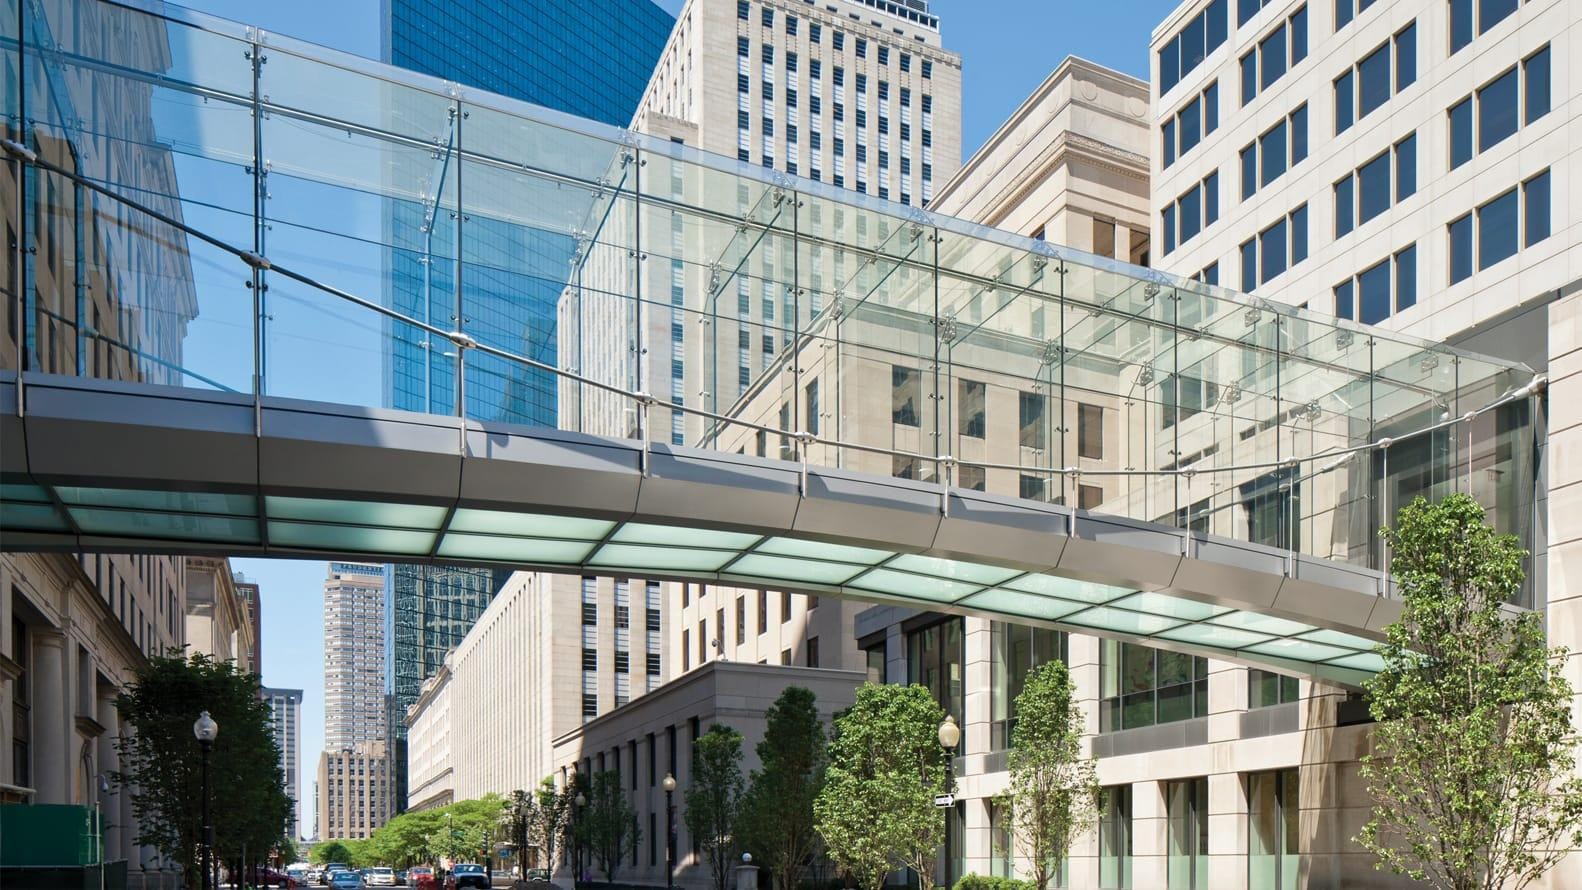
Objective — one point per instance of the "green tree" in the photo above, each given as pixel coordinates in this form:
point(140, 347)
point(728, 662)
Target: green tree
point(776, 817)
point(876, 810)
point(608, 825)
point(548, 813)
point(330, 851)
point(1471, 767)
point(1053, 792)
point(714, 796)
point(160, 759)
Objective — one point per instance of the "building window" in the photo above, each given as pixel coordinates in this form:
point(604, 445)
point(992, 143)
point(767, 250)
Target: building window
point(1278, 149)
point(763, 611)
point(1467, 16)
point(934, 660)
point(1267, 688)
point(623, 662)
point(1518, 95)
point(1186, 808)
point(590, 659)
point(1518, 217)
point(21, 706)
point(590, 704)
point(1273, 848)
point(971, 395)
point(906, 392)
point(1115, 837)
point(1030, 420)
point(1388, 69)
point(1017, 650)
point(1192, 121)
point(741, 620)
point(1090, 431)
point(1031, 488)
point(785, 607)
point(652, 663)
point(811, 406)
point(1187, 49)
point(874, 656)
point(1276, 52)
point(686, 650)
point(812, 652)
point(1143, 686)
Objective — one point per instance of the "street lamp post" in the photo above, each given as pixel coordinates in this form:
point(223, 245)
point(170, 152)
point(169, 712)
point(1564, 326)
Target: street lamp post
point(949, 735)
point(669, 784)
point(581, 800)
point(204, 729)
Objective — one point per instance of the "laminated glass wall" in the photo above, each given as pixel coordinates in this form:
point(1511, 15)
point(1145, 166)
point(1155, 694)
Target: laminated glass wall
point(1186, 817)
point(701, 302)
point(1143, 686)
point(1017, 649)
point(1273, 822)
point(934, 659)
point(1115, 837)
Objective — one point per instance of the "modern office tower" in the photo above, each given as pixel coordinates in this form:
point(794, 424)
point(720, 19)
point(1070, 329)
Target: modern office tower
point(591, 59)
point(356, 786)
point(285, 717)
point(253, 605)
point(561, 650)
point(354, 701)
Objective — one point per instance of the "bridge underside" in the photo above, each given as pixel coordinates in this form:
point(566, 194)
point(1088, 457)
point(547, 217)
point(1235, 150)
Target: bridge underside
point(99, 466)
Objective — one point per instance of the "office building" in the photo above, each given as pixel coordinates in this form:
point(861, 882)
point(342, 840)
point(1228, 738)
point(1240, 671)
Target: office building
point(857, 93)
point(654, 737)
point(354, 699)
point(356, 788)
point(285, 717)
point(217, 620)
point(1069, 166)
point(590, 59)
point(253, 606)
point(562, 650)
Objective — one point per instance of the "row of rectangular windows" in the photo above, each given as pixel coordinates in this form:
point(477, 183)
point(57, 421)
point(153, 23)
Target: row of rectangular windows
point(838, 38)
point(1367, 85)
point(1276, 53)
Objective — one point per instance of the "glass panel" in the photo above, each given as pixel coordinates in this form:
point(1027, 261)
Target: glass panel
point(497, 522)
point(817, 572)
point(528, 550)
point(351, 539)
point(638, 556)
point(354, 512)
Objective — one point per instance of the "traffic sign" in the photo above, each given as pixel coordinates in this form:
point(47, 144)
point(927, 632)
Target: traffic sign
point(944, 800)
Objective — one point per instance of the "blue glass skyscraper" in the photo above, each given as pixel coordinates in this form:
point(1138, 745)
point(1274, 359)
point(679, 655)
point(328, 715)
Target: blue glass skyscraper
point(589, 58)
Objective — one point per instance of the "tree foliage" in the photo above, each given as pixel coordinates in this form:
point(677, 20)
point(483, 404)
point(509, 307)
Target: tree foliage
point(1053, 792)
point(160, 759)
point(776, 819)
point(460, 831)
point(537, 821)
point(607, 826)
point(714, 797)
point(1471, 766)
point(876, 810)
point(329, 851)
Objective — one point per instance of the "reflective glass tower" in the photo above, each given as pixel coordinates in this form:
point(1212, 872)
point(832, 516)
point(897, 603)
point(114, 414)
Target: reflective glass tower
point(590, 58)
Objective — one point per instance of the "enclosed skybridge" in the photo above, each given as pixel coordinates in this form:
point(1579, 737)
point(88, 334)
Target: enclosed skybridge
point(267, 299)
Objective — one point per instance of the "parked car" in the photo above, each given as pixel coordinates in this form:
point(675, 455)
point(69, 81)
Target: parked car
point(268, 877)
point(346, 879)
point(400, 876)
point(538, 875)
point(315, 875)
point(421, 878)
point(467, 874)
point(380, 876)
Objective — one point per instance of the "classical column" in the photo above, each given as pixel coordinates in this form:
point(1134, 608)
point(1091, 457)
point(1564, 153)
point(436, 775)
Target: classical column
point(51, 701)
point(109, 762)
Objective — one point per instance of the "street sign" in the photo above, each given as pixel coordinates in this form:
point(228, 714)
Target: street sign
point(944, 800)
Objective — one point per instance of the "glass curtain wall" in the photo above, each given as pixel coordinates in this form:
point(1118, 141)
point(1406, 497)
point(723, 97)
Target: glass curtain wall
point(1265, 688)
point(1115, 837)
point(934, 659)
point(1143, 686)
point(1186, 806)
point(1017, 649)
point(1273, 820)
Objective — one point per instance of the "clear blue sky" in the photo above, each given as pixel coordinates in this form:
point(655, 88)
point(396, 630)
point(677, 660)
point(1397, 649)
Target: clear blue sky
point(1008, 47)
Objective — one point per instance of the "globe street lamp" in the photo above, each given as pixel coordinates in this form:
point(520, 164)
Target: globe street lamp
point(204, 729)
point(949, 735)
point(669, 784)
point(581, 800)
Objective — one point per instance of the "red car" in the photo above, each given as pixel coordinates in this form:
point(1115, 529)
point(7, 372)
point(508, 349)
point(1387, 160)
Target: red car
point(268, 877)
point(421, 878)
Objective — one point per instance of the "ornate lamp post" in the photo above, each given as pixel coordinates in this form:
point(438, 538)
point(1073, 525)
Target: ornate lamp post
point(581, 800)
point(204, 729)
point(949, 735)
point(669, 784)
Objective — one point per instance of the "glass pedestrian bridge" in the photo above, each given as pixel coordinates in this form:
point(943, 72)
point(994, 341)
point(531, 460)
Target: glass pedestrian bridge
point(267, 298)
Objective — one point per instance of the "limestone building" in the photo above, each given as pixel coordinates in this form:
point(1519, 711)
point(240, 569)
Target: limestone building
point(356, 787)
point(219, 620)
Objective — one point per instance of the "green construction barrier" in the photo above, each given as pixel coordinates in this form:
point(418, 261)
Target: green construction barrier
point(47, 835)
